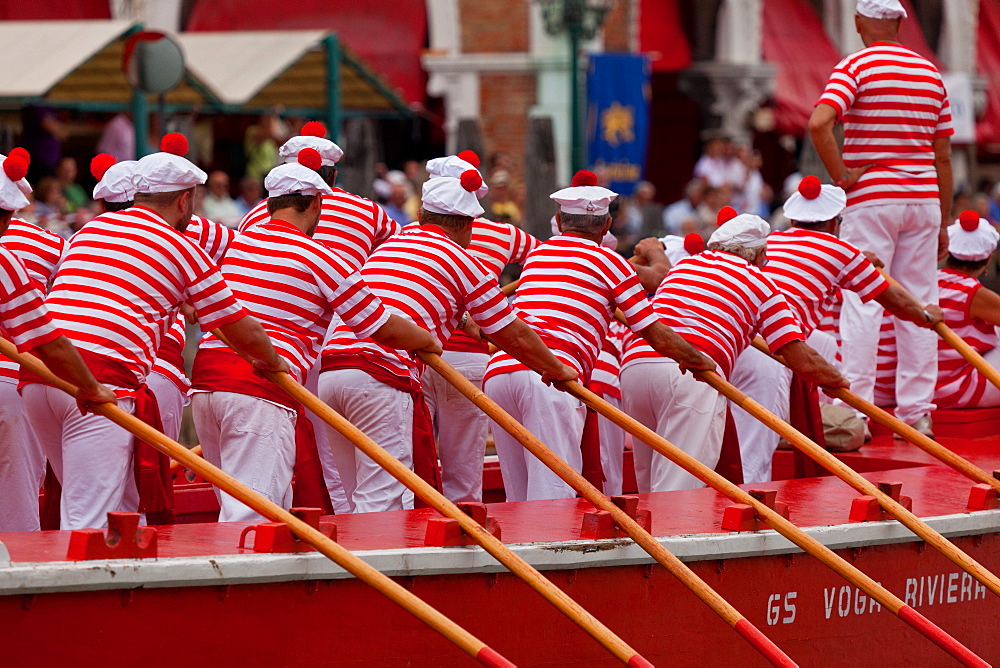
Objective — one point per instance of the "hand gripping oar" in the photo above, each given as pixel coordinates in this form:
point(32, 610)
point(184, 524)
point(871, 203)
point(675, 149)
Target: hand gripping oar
point(643, 538)
point(518, 566)
point(777, 522)
point(343, 558)
point(970, 354)
point(886, 419)
point(854, 479)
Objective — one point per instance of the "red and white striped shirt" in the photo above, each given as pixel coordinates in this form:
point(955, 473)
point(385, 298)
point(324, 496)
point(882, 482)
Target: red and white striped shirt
point(39, 251)
point(568, 292)
point(495, 245)
point(718, 302)
point(885, 363)
point(293, 285)
point(23, 317)
point(213, 238)
point(893, 105)
point(427, 278)
point(605, 378)
point(350, 225)
point(808, 266)
point(959, 384)
point(122, 281)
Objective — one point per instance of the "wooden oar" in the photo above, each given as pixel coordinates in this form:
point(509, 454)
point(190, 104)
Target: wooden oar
point(518, 566)
point(970, 354)
point(643, 538)
point(176, 465)
point(854, 479)
point(777, 522)
point(343, 558)
point(925, 443)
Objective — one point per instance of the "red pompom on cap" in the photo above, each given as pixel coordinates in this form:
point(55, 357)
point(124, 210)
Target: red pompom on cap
point(174, 142)
point(584, 177)
point(725, 214)
point(810, 187)
point(101, 164)
point(694, 244)
point(969, 220)
point(310, 157)
point(471, 180)
point(22, 152)
point(313, 129)
point(470, 157)
point(15, 167)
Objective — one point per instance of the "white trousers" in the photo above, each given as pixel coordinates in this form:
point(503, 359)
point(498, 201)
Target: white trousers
point(386, 416)
point(170, 401)
point(460, 427)
point(612, 450)
point(22, 464)
point(767, 382)
point(331, 476)
point(90, 454)
point(555, 417)
point(904, 236)
point(686, 412)
point(250, 439)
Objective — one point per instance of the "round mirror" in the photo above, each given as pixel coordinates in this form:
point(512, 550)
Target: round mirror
point(153, 62)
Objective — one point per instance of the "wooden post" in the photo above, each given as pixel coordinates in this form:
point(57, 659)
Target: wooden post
point(343, 558)
point(539, 177)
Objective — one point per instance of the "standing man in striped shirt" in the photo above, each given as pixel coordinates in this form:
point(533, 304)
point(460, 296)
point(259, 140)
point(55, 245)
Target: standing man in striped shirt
point(292, 285)
point(717, 301)
point(120, 286)
point(25, 321)
point(809, 265)
point(425, 275)
point(569, 290)
point(896, 169)
point(460, 427)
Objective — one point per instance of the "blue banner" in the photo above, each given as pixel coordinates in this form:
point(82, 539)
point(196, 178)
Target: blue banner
point(618, 91)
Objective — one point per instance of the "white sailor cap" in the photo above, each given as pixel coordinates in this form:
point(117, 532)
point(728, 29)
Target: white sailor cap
point(814, 202)
point(584, 196)
point(881, 9)
point(745, 230)
point(312, 135)
point(456, 165)
point(12, 181)
point(298, 178)
point(115, 180)
point(972, 238)
point(451, 196)
point(168, 171)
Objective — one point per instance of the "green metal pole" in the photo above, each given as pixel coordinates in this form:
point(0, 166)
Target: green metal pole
point(140, 121)
point(576, 148)
point(333, 98)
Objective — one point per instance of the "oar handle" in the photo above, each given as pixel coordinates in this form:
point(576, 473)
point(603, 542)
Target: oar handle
point(632, 528)
point(889, 420)
point(343, 558)
point(176, 465)
point(777, 522)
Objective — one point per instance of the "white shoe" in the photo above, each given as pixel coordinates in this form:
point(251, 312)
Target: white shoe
point(923, 425)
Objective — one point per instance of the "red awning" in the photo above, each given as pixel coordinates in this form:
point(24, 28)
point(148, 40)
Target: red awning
point(988, 61)
point(660, 31)
point(64, 10)
point(796, 43)
point(388, 36)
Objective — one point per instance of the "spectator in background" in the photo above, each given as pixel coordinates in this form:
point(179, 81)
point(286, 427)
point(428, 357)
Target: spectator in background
point(251, 193)
point(718, 165)
point(118, 138)
point(684, 210)
point(394, 204)
point(981, 204)
point(218, 204)
point(72, 192)
point(751, 193)
point(708, 211)
point(42, 135)
point(260, 145)
point(502, 208)
point(643, 218)
point(50, 206)
point(994, 202)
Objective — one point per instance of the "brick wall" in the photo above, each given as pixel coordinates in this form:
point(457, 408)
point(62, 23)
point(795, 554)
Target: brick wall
point(494, 26)
point(618, 26)
point(506, 99)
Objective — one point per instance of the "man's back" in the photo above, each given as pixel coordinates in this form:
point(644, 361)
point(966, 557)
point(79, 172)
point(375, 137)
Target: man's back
point(893, 105)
